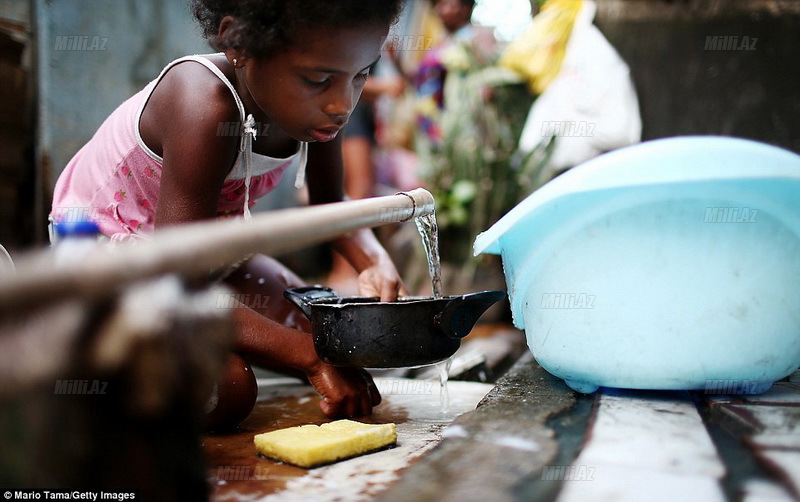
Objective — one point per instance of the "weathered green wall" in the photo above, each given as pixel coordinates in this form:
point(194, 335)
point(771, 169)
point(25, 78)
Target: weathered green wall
point(687, 87)
point(79, 88)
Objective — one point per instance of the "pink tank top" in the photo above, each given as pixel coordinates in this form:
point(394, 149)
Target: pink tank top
point(114, 179)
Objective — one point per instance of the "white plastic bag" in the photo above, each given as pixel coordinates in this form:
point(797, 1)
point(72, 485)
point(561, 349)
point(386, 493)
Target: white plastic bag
point(591, 105)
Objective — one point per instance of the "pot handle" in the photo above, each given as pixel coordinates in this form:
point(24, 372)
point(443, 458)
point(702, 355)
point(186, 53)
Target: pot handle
point(304, 295)
point(461, 313)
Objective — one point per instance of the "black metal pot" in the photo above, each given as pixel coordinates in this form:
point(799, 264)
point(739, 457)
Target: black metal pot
point(367, 333)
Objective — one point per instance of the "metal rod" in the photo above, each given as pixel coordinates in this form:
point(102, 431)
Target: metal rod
point(196, 249)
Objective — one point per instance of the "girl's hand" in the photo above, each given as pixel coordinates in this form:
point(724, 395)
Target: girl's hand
point(267, 340)
point(345, 392)
point(381, 280)
point(377, 274)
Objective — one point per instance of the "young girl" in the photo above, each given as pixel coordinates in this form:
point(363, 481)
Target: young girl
point(213, 133)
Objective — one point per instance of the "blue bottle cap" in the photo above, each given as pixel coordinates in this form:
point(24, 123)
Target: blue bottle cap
point(81, 228)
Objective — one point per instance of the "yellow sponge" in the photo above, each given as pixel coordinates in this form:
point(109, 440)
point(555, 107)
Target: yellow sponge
point(312, 445)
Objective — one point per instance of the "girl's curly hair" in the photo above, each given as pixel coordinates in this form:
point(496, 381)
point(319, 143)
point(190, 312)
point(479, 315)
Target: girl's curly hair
point(262, 26)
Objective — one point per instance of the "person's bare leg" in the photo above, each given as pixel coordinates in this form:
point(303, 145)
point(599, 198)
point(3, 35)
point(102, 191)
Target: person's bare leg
point(274, 334)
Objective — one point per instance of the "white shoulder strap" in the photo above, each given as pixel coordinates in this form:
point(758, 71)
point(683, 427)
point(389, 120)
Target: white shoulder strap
point(203, 60)
point(300, 179)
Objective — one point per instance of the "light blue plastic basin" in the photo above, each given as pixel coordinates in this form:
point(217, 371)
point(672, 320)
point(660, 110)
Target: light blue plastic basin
point(672, 264)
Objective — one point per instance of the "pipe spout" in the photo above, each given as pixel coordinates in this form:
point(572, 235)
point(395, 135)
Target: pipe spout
point(405, 206)
point(423, 202)
point(194, 249)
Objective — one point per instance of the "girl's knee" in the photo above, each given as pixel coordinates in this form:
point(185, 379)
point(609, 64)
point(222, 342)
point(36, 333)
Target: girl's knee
point(234, 395)
point(260, 283)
